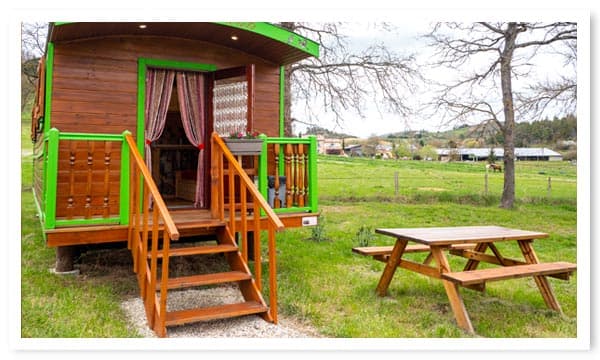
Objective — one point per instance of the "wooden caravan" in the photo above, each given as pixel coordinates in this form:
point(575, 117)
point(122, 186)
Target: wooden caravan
point(131, 132)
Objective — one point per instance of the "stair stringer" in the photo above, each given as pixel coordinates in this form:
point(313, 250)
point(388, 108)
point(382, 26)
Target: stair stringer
point(248, 288)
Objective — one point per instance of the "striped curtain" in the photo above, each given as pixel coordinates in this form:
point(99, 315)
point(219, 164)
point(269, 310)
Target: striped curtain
point(190, 92)
point(159, 86)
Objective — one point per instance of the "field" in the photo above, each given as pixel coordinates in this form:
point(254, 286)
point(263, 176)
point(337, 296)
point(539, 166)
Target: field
point(322, 282)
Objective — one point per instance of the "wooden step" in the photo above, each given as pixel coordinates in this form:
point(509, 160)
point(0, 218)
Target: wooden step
point(203, 223)
point(206, 279)
point(214, 312)
point(387, 250)
point(198, 250)
point(471, 277)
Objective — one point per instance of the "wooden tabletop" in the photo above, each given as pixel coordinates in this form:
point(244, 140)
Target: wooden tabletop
point(460, 234)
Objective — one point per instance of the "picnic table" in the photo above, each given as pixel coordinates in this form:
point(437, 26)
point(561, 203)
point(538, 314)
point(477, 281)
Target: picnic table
point(470, 242)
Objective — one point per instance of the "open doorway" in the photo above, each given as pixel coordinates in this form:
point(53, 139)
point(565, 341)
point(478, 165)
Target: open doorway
point(175, 136)
point(175, 161)
point(181, 109)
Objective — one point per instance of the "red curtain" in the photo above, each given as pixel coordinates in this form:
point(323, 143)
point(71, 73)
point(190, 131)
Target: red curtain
point(190, 92)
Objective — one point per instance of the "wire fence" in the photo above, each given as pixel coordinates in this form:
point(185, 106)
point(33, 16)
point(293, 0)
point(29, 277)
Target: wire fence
point(485, 184)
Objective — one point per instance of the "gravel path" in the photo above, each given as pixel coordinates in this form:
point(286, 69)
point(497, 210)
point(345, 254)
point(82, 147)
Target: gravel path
point(248, 326)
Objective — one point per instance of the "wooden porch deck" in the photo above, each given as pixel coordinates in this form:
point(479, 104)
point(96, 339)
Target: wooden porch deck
point(190, 222)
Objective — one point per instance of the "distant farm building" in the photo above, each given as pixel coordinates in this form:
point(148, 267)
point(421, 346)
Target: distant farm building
point(329, 146)
point(354, 150)
point(482, 154)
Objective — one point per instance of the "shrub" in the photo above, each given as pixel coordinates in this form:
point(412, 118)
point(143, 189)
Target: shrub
point(570, 155)
point(317, 232)
point(364, 235)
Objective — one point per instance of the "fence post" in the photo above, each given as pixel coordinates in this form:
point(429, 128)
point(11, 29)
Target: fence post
point(549, 186)
point(396, 184)
point(486, 182)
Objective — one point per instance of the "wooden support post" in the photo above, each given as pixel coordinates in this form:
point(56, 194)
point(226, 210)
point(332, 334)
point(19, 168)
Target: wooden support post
point(456, 301)
point(65, 259)
point(244, 222)
point(541, 281)
point(390, 267)
point(272, 275)
point(549, 187)
point(396, 184)
point(214, 183)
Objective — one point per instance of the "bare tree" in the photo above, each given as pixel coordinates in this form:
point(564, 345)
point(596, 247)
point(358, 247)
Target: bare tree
point(33, 43)
point(560, 93)
point(345, 80)
point(487, 58)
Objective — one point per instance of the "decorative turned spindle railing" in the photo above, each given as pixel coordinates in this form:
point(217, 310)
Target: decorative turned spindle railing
point(85, 179)
point(293, 160)
point(232, 189)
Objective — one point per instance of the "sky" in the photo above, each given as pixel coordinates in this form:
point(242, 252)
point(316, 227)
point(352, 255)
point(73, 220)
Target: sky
point(360, 35)
point(405, 39)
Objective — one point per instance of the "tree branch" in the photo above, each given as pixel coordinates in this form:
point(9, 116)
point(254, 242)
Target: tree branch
point(348, 81)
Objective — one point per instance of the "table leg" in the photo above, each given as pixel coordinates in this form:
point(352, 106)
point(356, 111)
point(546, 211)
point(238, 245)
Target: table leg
point(471, 263)
point(456, 301)
point(541, 281)
point(391, 266)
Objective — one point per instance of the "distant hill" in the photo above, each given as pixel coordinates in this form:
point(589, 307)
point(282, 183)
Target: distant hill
point(317, 130)
point(542, 132)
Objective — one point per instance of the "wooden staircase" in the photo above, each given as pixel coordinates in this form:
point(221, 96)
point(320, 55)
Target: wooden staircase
point(152, 230)
point(239, 275)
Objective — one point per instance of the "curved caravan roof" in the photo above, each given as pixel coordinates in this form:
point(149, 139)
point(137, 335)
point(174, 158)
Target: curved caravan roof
point(270, 42)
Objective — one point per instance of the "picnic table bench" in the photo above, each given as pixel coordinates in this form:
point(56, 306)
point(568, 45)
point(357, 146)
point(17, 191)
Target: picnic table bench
point(470, 242)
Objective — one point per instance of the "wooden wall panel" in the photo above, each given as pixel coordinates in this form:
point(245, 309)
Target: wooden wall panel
point(95, 81)
point(266, 98)
point(88, 186)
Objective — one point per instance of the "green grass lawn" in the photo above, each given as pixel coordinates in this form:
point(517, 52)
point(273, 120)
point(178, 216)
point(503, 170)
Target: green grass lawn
point(84, 306)
point(332, 287)
point(323, 282)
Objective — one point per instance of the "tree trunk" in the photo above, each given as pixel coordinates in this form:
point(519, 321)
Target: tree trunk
point(508, 194)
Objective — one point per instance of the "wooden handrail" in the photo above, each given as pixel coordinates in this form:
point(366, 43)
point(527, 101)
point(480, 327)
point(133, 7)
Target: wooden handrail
point(159, 203)
point(143, 231)
point(270, 214)
point(246, 187)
